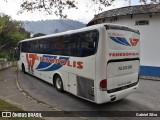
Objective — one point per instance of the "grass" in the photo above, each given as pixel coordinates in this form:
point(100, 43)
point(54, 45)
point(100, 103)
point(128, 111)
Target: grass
point(4, 106)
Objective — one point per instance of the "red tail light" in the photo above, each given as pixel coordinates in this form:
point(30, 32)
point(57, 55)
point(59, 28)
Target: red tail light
point(103, 85)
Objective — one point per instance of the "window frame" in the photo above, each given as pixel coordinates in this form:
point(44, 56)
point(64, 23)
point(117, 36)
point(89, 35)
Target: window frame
point(141, 22)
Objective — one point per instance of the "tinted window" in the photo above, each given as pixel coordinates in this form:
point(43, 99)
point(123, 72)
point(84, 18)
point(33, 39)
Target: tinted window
point(42, 46)
point(79, 44)
point(25, 46)
point(56, 45)
point(71, 45)
point(88, 43)
point(32, 45)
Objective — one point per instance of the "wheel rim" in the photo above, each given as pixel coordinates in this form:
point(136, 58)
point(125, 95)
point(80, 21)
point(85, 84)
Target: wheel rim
point(58, 83)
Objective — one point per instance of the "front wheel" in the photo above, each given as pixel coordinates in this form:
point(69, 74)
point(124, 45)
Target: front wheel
point(59, 84)
point(23, 68)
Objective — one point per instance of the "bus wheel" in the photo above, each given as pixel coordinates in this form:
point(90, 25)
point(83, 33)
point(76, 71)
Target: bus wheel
point(59, 84)
point(23, 68)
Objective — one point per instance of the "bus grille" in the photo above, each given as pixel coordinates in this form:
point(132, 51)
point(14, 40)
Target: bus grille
point(85, 88)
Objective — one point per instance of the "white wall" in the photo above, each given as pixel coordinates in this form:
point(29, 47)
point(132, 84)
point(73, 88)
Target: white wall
point(150, 37)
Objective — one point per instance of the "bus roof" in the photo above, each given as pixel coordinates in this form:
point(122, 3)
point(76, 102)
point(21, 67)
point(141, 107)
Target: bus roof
point(97, 26)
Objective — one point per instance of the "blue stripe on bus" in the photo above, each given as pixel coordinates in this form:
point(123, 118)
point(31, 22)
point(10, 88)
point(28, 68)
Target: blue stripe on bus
point(116, 40)
point(45, 64)
point(55, 66)
point(123, 40)
point(120, 40)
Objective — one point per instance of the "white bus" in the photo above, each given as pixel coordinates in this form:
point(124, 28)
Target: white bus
point(99, 63)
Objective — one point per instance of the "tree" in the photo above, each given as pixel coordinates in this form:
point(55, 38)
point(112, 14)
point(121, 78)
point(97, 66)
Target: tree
point(58, 6)
point(47, 5)
point(38, 35)
point(11, 33)
point(56, 31)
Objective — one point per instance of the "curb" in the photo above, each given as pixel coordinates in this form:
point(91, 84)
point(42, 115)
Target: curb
point(150, 78)
point(30, 97)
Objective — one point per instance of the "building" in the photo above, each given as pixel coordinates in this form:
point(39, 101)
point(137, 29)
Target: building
point(145, 18)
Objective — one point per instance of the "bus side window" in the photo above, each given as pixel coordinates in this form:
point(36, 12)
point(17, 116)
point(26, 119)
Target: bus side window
point(88, 42)
point(73, 45)
point(60, 45)
point(24, 47)
point(67, 50)
point(54, 45)
point(32, 47)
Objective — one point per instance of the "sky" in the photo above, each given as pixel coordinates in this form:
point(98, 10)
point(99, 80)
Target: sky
point(85, 12)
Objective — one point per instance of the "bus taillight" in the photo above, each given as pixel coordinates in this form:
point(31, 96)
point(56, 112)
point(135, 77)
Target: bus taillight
point(103, 85)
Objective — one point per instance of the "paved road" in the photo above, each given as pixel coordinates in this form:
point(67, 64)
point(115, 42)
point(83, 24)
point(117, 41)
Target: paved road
point(9, 91)
point(147, 98)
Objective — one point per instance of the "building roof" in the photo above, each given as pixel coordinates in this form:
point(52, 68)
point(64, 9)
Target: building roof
point(130, 10)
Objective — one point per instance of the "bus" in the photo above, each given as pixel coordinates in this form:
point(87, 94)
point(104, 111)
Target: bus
point(99, 63)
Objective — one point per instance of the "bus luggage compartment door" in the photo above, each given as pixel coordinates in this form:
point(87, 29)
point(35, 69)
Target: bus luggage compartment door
point(72, 84)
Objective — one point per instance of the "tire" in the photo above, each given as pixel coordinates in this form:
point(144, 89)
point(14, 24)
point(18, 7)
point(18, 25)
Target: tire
point(58, 84)
point(23, 68)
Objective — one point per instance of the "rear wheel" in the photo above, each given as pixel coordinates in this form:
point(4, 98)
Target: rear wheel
point(59, 84)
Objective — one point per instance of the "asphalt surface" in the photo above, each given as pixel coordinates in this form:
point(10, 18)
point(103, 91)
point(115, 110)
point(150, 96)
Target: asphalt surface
point(10, 92)
point(30, 93)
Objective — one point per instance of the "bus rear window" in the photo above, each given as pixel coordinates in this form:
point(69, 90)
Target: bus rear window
point(115, 27)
